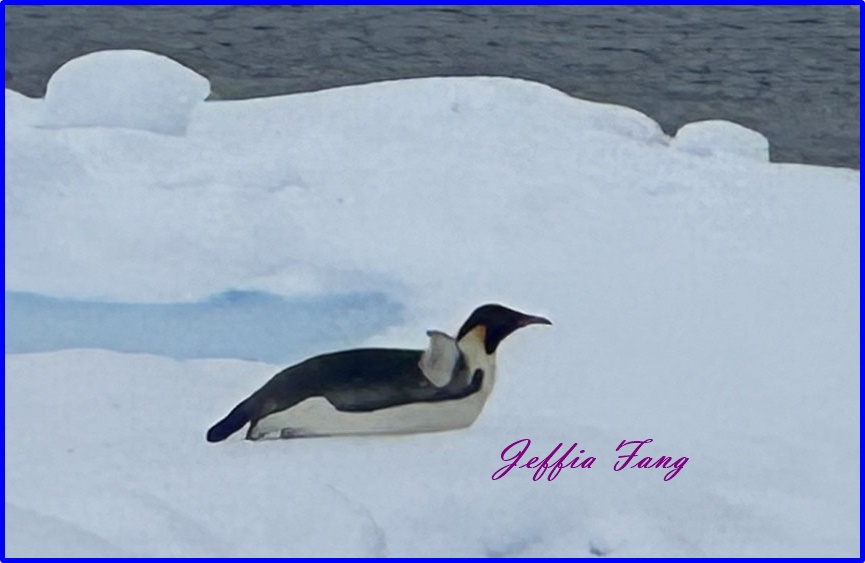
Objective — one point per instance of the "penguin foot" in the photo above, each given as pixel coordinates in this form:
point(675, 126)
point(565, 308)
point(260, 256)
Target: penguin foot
point(253, 434)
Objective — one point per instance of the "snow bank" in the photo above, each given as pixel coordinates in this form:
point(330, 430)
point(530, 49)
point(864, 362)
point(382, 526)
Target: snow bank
point(123, 88)
point(242, 201)
point(707, 302)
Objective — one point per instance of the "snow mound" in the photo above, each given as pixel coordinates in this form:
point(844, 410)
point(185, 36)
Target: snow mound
point(521, 98)
point(123, 88)
point(719, 137)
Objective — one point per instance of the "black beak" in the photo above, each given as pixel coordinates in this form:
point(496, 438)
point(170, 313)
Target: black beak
point(532, 320)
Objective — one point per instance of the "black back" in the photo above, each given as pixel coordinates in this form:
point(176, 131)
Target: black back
point(361, 380)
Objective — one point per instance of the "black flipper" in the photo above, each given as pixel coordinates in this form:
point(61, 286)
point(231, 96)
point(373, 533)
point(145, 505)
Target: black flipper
point(229, 425)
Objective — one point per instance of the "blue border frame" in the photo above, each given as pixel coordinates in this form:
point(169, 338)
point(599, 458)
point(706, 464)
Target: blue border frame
point(590, 3)
point(673, 3)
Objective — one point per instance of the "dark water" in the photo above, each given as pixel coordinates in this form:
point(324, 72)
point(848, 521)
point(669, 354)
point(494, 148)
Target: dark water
point(790, 72)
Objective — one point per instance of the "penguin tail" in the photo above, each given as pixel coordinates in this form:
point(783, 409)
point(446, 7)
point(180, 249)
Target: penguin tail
point(233, 422)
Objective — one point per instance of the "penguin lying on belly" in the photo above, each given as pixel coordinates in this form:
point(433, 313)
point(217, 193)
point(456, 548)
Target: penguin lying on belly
point(382, 391)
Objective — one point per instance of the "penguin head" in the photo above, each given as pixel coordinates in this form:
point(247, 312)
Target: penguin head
point(497, 322)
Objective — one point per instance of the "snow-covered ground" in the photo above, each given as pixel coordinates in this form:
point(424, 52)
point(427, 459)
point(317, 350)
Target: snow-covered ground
point(701, 296)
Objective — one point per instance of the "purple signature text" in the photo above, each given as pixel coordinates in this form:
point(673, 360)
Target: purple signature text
point(516, 457)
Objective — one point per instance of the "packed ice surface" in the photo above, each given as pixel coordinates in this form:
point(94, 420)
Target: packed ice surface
point(705, 301)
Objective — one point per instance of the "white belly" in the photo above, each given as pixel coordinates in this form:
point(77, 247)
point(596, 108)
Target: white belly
point(317, 417)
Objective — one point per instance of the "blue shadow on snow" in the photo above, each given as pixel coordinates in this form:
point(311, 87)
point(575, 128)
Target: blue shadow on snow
point(235, 324)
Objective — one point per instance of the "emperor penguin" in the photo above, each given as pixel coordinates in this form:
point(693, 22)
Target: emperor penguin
point(382, 390)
